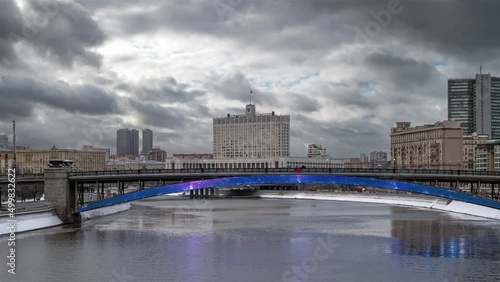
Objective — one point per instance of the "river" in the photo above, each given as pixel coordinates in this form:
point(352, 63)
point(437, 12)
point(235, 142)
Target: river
point(167, 239)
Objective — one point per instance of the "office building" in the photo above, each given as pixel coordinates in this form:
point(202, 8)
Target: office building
point(470, 145)
point(147, 141)
point(316, 151)
point(378, 159)
point(488, 156)
point(434, 146)
point(4, 140)
point(157, 154)
point(475, 103)
point(122, 142)
point(251, 135)
point(127, 142)
point(106, 151)
point(134, 142)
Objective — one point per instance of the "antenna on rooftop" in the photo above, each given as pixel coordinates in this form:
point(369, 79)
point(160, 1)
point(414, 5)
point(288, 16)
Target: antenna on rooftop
point(251, 96)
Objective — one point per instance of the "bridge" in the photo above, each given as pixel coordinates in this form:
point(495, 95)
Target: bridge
point(64, 189)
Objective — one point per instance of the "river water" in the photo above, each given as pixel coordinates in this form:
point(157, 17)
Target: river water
point(165, 239)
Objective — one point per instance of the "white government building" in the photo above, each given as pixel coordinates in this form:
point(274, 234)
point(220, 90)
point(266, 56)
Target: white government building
point(245, 141)
point(251, 135)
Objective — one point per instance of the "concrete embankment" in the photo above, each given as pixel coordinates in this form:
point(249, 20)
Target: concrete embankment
point(105, 211)
point(394, 199)
point(27, 220)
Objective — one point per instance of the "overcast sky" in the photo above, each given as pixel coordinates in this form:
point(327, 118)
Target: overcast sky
point(72, 73)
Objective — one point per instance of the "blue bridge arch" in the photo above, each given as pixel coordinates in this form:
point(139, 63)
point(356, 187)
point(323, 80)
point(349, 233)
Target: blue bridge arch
point(296, 178)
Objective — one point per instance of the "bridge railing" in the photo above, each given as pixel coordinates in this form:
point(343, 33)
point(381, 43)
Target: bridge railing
point(24, 176)
point(287, 170)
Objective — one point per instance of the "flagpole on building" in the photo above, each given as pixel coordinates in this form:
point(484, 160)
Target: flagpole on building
point(14, 144)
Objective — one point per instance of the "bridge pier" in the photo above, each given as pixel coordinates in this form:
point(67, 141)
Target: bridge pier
point(60, 194)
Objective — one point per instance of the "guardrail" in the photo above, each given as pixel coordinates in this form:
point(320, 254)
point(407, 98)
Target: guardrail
point(23, 176)
point(287, 170)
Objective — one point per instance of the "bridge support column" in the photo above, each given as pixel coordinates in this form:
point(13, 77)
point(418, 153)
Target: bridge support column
point(61, 194)
point(191, 194)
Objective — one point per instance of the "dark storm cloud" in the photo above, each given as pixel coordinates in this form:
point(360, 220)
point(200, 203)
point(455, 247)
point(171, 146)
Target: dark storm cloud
point(235, 86)
point(23, 93)
point(58, 31)
point(404, 73)
point(460, 28)
point(157, 115)
point(302, 103)
point(10, 21)
point(166, 90)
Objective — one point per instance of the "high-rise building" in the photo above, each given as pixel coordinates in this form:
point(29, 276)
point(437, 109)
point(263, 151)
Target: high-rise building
point(122, 142)
point(475, 103)
point(430, 146)
point(134, 142)
point(4, 140)
point(251, 135)
point(127, 142)
point(316, 151)
point(147, 141)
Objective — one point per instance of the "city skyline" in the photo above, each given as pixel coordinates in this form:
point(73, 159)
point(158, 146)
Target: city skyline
point(345, 75)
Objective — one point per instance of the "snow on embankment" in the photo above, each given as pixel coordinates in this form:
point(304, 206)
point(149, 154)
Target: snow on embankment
point(411, 201)
point(105, 211)
point(30, 221)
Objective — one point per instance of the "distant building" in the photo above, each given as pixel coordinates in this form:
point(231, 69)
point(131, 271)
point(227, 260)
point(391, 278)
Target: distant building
point(251, 136)
point(435, 146)
point(316, 151)
point(378, 159)
point(157, 154)
point(4, 140)
point(488, 156)
point(193, 156)
point(247, 163)
point(127, 142)
point(134, 165)
point(147, 141)
point(134, 139)
point(470, 144)
point(475, 103)
point(36, 161)
point(107, 151)
point(364, 158)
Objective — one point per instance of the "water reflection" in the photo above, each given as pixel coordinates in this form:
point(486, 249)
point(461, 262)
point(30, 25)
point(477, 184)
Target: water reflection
point(444, 237)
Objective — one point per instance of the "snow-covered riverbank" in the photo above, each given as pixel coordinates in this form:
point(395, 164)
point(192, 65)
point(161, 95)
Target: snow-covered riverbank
point(402, 200)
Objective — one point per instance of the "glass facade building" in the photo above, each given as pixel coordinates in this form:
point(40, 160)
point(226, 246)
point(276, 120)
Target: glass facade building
point(475, 103)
